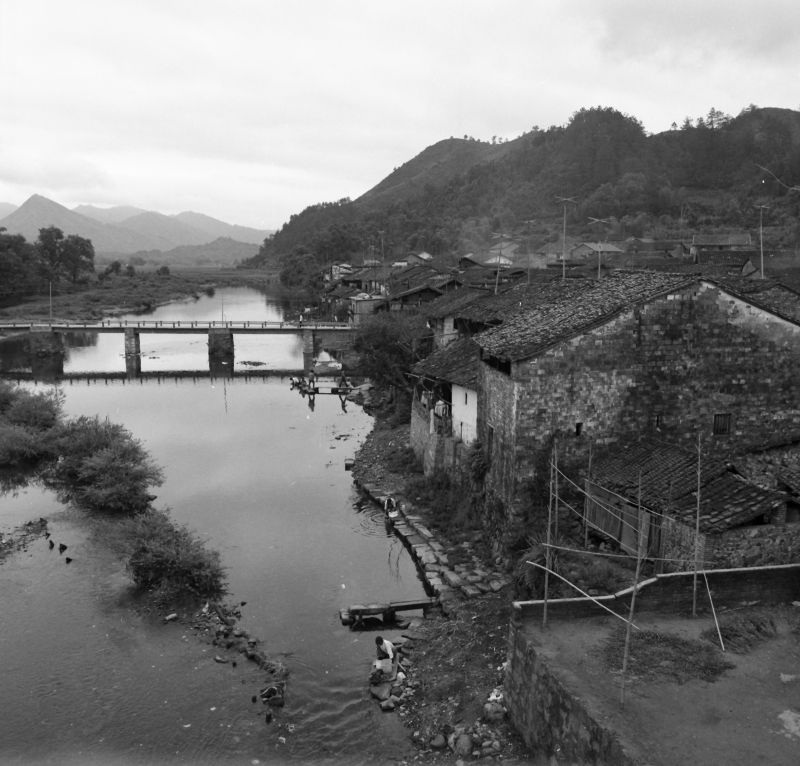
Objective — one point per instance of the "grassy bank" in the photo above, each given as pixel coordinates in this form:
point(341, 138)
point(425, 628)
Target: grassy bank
point(143, 291)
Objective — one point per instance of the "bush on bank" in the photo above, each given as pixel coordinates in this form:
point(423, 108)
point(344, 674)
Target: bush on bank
point(100, 467)
point(169, 561)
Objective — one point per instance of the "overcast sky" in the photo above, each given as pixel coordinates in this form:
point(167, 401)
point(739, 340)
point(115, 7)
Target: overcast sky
point(250, 110)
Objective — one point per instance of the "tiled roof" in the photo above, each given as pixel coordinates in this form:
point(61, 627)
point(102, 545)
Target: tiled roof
point(721, 240)
point(564, 308)
point(778, 298)
point(456, 363)
point(669, 485)
point(450, 303)
point(599, 247)
point(726, 257)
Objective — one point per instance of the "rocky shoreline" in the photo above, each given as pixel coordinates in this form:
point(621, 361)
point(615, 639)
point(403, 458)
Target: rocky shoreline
point(449, 690)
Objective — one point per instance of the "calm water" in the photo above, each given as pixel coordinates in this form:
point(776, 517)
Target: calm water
point(261, 477)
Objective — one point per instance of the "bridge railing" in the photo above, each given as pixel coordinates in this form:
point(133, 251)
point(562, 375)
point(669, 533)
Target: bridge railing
point(177, 325)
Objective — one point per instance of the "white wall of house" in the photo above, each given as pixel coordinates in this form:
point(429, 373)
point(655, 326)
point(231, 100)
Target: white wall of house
point(465, 413)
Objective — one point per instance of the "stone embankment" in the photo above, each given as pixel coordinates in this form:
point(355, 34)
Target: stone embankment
point(447, 572)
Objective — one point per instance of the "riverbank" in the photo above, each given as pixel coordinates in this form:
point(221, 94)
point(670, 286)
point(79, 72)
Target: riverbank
point(454, 660)
point(143, 291)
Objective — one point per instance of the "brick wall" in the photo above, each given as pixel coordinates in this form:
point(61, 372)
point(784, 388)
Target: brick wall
point(684, 357)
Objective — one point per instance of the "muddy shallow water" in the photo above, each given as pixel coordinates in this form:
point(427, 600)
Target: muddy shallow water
point(260, 476)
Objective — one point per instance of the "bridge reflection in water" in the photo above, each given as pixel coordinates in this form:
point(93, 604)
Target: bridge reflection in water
point(46, 347)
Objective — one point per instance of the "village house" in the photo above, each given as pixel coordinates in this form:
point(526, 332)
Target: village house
point(603, 362)
point(687, 509)
point(444, 409)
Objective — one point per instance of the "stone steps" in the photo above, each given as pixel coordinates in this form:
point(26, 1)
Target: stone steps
point(431, 557)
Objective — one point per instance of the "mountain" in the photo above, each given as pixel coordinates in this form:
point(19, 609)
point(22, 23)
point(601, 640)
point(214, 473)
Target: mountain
point(108, 214)
point(6, 208)
point(710, 175)
point(38, 212)
point(123, 229)
point(221, 229)
point(437, 165)
point(168, 232)
point(221, 252)
point(196, 222)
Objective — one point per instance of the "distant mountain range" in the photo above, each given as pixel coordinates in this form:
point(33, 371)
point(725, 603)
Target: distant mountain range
point(124, 229)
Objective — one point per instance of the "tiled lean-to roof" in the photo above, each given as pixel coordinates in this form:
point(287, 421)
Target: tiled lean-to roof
point(456, 363)
point(564, 308)
point(669, 485)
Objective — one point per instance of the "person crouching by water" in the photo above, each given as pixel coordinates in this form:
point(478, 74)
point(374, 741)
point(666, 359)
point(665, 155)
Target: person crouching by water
point(385, 649)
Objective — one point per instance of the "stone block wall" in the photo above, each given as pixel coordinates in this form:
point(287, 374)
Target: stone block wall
point(548, 716)
point(672, 364)
point(755, 546)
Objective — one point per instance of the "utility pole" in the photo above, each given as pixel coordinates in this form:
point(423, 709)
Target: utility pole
point(605, 221)
point(761, 209)
point(564, 201)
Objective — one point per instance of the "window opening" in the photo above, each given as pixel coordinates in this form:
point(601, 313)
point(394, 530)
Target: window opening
point(722, 423)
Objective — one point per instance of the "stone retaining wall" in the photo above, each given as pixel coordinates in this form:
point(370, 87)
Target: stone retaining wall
point(548, 717)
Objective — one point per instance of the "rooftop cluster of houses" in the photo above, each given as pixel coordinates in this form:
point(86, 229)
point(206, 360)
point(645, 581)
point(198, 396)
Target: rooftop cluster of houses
point(420, 277)
point(670, 400)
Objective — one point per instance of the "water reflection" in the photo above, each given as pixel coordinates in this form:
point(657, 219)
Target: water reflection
point(258, 472)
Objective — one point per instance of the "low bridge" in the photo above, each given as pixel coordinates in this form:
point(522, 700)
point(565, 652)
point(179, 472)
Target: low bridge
point(45, 338)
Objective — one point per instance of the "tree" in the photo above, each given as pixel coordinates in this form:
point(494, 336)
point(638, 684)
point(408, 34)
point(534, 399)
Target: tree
point(62, 256)
point(19, 266)
point(301, 271)
point(390, 344)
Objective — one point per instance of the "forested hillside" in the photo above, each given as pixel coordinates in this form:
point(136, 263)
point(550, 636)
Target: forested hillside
point(708, 174)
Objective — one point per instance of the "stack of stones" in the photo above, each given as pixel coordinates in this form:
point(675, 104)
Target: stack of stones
point(435, 562)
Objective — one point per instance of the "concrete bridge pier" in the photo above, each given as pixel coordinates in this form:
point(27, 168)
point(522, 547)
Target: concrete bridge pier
point(133, 352)
point(308, 350)
point(43, 341)
point(46, 350)
point(220, 351)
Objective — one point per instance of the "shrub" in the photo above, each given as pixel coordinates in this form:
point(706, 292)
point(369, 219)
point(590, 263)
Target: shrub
point(170, 560)
point(401, 459)
point(450, 503)
point(18, 446)
point(101, 467)
point(39, 411)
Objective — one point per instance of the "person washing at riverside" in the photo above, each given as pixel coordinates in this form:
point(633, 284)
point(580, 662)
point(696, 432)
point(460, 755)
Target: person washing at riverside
point(386, 650)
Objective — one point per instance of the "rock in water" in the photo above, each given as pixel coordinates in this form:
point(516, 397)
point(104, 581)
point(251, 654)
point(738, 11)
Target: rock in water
point(381, 691)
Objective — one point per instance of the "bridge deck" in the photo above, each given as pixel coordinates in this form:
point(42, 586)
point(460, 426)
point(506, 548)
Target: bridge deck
point(163, 326)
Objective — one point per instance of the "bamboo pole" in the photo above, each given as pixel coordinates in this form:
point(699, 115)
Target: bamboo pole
point(583, 593)
point(555, 483)
point(586, 501)
point(639, 546)
point(696, 535)
point(714, 612)
point(547, 549)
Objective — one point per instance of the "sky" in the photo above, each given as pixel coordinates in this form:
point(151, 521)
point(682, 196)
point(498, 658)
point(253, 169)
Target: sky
point(251, 110)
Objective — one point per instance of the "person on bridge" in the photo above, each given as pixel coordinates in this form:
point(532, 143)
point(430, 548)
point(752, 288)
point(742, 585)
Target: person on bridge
point(385, 649)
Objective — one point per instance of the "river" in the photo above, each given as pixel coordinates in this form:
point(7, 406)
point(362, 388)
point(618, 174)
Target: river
point(259, 475)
